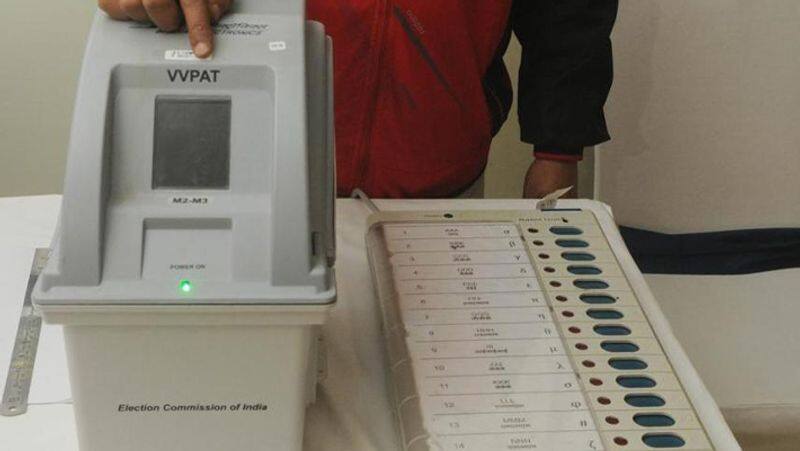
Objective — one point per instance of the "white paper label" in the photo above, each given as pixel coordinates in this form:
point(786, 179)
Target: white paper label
point(277, 46)
point(486, 354)
point(182, 55)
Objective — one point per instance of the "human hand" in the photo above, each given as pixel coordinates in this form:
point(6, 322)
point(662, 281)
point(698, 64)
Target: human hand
point(546, 176)
point(169, 15)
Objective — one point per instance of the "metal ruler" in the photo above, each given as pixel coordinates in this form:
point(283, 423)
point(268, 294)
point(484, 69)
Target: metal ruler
point(20, 371)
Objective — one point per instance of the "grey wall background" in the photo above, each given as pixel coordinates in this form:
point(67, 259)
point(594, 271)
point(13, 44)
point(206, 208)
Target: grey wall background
point(705, 113)
point(41, 45)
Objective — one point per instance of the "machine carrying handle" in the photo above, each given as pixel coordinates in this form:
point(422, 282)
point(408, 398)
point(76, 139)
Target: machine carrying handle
point(330, 201)
point(321, 146)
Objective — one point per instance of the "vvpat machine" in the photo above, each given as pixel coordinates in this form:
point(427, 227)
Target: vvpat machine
point(193, 261)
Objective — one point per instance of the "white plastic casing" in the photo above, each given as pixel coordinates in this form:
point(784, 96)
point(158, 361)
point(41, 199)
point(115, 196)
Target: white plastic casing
point(258, 253)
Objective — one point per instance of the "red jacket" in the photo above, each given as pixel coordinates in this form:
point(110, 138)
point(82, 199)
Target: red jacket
point(413, 117)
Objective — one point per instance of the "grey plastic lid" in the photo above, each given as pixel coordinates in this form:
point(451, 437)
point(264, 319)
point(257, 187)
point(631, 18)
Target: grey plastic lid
point(200, 182)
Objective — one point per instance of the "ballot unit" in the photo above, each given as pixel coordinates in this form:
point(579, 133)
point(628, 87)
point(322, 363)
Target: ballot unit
point(511, 330)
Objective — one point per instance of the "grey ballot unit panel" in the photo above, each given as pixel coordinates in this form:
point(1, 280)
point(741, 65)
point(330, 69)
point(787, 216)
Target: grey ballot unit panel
point(517, 330)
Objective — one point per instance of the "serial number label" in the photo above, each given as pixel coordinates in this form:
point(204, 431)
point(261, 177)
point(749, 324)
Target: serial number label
point(186, 200)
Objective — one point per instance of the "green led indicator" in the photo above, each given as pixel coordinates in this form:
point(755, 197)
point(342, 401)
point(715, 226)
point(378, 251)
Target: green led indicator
point(185, 286)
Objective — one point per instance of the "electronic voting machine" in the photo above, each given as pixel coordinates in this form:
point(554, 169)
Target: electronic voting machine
point(193, 260)
point(530, 330)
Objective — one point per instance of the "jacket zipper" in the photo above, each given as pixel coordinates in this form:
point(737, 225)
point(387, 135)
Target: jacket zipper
point(377, 39)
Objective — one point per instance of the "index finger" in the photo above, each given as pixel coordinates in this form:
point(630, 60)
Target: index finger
point(198, 23)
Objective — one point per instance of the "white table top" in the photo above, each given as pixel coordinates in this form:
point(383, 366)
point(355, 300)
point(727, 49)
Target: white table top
point(352, 412)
